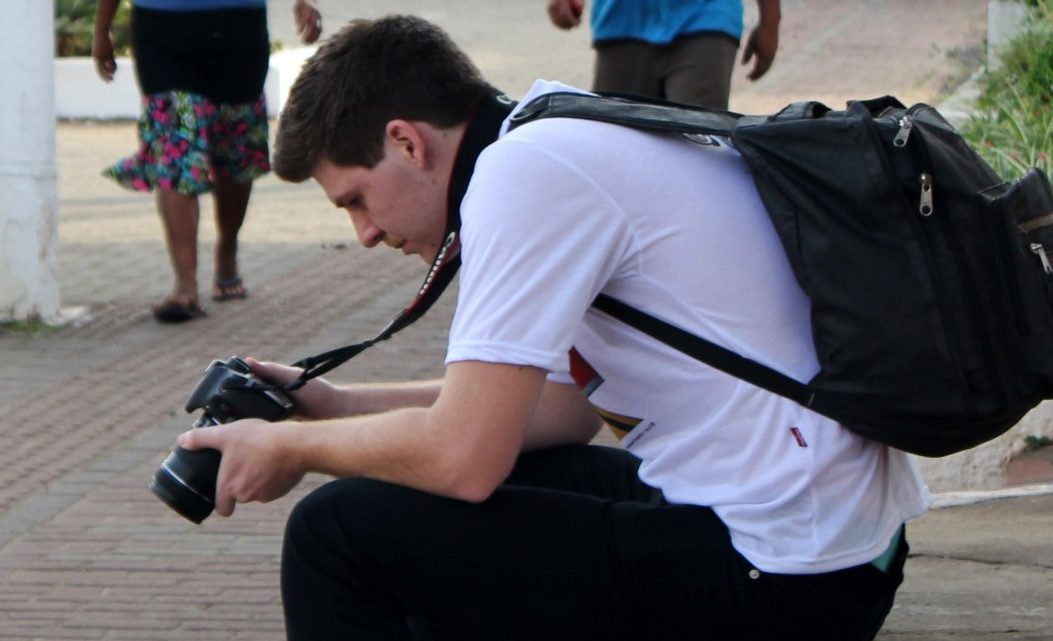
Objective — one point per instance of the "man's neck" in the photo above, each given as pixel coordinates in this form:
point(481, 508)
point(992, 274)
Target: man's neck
point(480, 131)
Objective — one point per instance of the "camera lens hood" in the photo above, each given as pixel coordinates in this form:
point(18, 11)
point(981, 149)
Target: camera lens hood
point(180, 483)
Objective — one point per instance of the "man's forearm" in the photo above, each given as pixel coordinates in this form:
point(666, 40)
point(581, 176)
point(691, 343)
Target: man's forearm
point(462, 445)
point(374, 398)
point(403, 447)
point(769, 12)
point(104, 12)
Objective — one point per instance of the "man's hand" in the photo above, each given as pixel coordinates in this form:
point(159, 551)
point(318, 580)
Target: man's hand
point(763, 41)
point(308, 20)
point(102, 53)
point(566, 14)
point(317, 399)
point(102, 43)
point(255, 466)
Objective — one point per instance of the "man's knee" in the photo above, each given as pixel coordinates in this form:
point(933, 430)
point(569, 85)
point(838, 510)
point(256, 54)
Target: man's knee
point(344, 513)
point(338, 541)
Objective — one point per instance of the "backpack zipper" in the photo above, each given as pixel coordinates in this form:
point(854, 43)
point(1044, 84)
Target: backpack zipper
point(925, 200)
point(906, 123)
point(1038, 250)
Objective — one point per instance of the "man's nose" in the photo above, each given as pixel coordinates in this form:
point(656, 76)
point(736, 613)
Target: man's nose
point(368, 233)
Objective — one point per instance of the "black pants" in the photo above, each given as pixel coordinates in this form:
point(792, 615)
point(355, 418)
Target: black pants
point(573, 547)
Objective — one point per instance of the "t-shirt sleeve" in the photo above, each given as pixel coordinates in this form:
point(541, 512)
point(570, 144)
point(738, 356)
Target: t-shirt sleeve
point(539, 238)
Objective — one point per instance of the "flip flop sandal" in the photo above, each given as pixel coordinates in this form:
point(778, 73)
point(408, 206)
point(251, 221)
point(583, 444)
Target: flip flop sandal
point(229, 289)
point(175, 311)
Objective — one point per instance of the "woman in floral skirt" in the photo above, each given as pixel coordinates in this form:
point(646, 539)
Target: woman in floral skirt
point(200, 65)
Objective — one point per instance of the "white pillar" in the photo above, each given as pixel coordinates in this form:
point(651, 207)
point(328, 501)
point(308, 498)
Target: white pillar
point(29, 285)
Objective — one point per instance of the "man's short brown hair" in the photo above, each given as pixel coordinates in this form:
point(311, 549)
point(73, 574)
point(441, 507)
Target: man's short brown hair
point(371, 72)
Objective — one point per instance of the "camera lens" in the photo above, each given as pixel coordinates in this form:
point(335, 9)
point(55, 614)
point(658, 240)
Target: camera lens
point(186, 482)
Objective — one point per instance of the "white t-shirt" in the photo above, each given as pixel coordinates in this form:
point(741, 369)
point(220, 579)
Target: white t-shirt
point(561, 210)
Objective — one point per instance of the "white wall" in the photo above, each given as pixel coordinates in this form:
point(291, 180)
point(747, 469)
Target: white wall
point(80, 93)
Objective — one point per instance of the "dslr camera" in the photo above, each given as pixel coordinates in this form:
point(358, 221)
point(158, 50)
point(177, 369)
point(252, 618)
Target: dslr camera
point(186, 480)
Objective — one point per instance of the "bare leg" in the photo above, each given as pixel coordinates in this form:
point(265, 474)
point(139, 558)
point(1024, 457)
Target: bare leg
point(231, 201)
point(179, 215)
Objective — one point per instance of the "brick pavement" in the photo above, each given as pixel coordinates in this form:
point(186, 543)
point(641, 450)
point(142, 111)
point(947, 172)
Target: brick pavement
point(89, 410)
point(85, 551)
point(834, 51)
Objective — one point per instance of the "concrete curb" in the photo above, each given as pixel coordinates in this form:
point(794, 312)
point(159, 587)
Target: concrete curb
point(971, 497)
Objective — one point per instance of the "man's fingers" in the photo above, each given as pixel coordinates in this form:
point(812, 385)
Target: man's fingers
point(757, 72)
point(760, 67)
point(273, 372)
point(199, 439)
point(308, 22)
point(310, 31)
point(562, 13)
point(224, 503)
point(106, 69)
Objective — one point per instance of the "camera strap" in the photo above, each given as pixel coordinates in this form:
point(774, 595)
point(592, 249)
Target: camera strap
point(483, 129)
point(441, 273)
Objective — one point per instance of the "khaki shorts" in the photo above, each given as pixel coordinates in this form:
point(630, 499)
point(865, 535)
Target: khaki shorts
point(694, 69)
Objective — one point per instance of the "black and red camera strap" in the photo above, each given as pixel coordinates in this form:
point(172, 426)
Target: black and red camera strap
point(440, 275)
point(482, 130)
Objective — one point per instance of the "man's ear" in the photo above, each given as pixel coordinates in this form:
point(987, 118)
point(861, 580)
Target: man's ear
point(408, 140)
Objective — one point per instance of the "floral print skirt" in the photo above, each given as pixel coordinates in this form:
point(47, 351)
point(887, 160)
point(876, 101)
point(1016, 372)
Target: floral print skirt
point(187, 140)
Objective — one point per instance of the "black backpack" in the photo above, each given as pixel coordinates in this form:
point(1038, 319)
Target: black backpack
point(928, 277)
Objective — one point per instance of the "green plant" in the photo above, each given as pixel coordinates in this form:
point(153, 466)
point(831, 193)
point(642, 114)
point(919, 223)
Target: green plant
point(32, 326)
point(1034, 443)
point(75, 28)
point(1013, 124)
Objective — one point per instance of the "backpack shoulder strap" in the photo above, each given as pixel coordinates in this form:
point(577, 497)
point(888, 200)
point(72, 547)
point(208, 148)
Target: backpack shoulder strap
point(656, 116)
point(706, 351)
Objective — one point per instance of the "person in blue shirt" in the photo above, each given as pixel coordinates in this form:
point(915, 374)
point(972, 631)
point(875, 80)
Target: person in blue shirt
point(677, 50)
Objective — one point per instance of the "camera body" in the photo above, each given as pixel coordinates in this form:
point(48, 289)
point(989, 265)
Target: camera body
point(186, 480)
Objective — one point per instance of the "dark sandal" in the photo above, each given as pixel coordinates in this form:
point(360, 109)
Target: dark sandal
point(176, 311)
point(225, 289)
